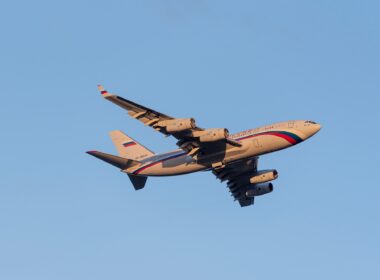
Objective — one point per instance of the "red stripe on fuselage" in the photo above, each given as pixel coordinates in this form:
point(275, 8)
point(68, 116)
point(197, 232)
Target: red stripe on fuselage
point(145, 167)
point(283, 136)
point(277, 134)
point(138, 171)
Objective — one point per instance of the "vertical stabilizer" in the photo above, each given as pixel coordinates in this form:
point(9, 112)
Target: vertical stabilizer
point(128, 147)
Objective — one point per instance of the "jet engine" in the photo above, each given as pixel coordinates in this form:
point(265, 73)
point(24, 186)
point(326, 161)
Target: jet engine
point(212, 135)
point(259, 189)
point(177, 125)
point(264, 176)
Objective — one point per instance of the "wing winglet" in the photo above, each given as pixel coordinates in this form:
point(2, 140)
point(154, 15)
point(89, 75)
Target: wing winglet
point(103, 92)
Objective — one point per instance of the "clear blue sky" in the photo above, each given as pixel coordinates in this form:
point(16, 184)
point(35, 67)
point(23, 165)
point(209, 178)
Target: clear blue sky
point(234, 64)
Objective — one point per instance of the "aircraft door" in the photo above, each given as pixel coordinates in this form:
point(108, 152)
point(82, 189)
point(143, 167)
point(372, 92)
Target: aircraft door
point(257, 143)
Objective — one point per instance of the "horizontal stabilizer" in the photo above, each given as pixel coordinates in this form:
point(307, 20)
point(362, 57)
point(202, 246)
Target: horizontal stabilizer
point(120, 162)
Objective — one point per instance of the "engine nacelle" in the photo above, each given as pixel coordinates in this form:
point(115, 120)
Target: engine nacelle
point(212, 135)
point(259, 189)
point(264, 176)
point(177, 125)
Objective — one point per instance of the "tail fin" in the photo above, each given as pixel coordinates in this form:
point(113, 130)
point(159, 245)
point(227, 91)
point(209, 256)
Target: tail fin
point(128, 147)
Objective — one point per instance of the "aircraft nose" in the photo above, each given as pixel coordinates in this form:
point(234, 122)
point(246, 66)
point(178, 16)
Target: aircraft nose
point(310, 128)
point(313, 129)
point(317, 127)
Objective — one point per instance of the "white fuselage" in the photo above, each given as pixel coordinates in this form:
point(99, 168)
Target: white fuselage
point(254, 142)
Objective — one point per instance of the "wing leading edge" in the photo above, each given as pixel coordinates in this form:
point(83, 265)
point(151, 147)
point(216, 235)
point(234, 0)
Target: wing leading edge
point(188, 139)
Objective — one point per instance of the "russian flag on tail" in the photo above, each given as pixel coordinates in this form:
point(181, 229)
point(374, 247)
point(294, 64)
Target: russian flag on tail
point(128, 144)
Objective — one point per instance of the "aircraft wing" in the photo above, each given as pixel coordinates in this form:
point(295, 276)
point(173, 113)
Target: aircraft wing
point(234, 173)
point(145, 115)
point(188, 138)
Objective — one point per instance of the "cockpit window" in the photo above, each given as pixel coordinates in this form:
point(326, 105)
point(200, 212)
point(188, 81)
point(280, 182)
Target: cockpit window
point(310, 122)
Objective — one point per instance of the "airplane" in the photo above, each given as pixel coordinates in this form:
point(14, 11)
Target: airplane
point(230, 157)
